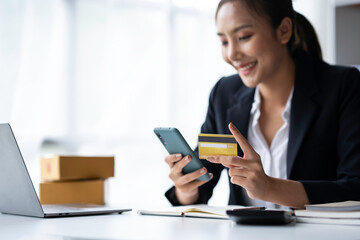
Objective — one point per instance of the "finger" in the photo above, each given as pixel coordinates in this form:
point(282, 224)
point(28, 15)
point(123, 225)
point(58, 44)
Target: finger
point(244, 144)
point(178, 166)
point(176, 169)
point(240, 172)
point(229, 161)
point(187, 178)
point(171, 159)
point(193, 185)
point(241, 181)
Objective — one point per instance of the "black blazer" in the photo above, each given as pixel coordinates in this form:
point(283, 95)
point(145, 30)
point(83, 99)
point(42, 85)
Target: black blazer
point(324, 137)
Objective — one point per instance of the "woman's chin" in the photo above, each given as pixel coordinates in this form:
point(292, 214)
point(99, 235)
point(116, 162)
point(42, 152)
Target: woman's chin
point(249, 81)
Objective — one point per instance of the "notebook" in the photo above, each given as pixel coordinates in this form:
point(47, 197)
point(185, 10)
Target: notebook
point(199, 211)
point(336, 206)
point(17, 193)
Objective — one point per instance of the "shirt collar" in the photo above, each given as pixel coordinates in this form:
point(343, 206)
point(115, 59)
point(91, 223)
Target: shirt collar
point(286, 113)
point(257, 101)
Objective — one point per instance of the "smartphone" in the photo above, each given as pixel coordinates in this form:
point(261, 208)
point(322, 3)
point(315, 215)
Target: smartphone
point(174, 142)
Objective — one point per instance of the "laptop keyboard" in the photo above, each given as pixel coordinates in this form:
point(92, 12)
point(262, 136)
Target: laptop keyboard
point(49, 208)
point(60, 208)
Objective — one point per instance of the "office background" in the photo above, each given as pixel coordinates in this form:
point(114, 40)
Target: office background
point(94, 77)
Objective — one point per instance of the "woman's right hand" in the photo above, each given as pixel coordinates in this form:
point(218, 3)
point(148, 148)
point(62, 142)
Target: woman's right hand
point(186, 186)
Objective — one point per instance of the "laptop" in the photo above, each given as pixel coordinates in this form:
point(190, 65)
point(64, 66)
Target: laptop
point(17, 193)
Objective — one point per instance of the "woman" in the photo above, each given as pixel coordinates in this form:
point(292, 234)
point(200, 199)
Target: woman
point(298, 118)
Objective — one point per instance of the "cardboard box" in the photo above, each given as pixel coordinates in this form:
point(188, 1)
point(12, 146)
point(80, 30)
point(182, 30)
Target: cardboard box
point(60, 168)
point(88, 192)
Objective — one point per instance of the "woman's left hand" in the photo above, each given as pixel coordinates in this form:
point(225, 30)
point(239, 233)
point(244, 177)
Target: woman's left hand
point(246, 171)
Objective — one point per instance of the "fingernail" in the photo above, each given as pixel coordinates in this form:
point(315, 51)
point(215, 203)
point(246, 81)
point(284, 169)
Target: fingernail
point(178, 156)
point(202, 170)
point(211, 159)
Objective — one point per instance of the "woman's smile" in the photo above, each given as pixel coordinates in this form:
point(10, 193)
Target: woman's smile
point(247, 68)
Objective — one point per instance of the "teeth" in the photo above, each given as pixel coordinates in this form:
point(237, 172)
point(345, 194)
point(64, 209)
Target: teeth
point(248, 66)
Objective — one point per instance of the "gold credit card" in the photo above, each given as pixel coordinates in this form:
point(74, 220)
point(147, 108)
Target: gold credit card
point(217, 144)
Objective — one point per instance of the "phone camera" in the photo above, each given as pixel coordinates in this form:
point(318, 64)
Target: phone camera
point(162, 140)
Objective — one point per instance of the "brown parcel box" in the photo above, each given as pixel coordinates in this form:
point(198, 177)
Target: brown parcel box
point(59, 168)
point(88, 192)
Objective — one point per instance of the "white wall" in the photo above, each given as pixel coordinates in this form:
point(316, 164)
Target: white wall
point(321, 13)
point(348, 35)
point(96, 76)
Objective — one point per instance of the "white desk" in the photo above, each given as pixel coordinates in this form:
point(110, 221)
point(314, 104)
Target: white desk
point(132, 226)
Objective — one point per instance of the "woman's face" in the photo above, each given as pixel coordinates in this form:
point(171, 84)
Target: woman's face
point(249, 44)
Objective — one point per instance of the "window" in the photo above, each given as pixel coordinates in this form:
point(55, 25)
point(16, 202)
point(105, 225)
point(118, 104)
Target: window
point(95, 77)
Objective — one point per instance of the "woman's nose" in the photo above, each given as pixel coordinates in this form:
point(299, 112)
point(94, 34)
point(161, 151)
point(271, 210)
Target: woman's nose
point(234, 52)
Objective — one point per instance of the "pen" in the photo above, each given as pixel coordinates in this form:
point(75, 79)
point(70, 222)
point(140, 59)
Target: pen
point(249, 208)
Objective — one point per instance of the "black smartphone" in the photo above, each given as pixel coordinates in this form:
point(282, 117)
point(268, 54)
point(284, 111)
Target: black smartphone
point(261, 217)
point(174, 142)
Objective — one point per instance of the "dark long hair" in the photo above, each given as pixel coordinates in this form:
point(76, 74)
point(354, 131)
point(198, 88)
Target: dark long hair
point(304, 35)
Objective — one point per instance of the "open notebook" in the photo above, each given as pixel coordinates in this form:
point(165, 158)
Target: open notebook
point(200, 211)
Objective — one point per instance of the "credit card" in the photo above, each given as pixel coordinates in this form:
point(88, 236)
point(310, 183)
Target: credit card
point(217, 144)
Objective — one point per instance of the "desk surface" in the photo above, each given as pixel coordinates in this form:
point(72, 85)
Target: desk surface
point(133, 226)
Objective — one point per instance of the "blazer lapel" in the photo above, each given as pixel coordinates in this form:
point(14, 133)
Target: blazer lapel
point(303, 108)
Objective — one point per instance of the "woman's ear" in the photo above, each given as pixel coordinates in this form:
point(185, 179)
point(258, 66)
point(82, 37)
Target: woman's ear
point(284, 30)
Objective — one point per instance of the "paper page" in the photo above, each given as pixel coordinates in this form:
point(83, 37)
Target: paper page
point(328, 214)
point(199, 210)
point(168, 211)
point(336, 206)
point(340, 221)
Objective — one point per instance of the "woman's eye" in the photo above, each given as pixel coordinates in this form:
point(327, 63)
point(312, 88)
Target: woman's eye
point(245, 37)
point(224, 43)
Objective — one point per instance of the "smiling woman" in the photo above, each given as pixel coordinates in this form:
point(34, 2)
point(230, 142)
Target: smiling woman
point(296, 116)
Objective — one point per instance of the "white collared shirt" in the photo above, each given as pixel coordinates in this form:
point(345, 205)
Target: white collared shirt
point(273, 158)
